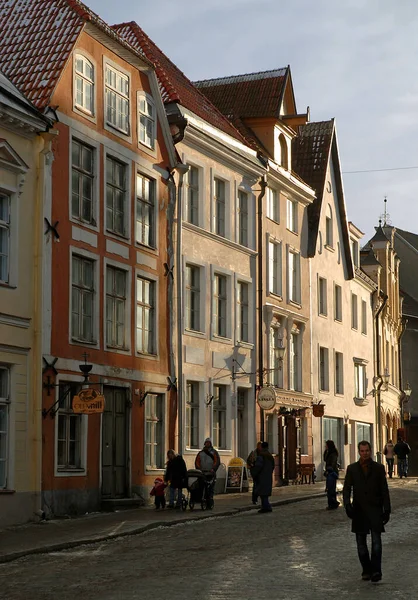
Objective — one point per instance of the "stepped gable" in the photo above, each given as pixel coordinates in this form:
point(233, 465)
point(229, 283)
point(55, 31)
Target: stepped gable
point(174, 85)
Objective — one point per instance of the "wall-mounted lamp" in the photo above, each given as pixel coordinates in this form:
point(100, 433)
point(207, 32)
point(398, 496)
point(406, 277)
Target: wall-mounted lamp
point(279, 352)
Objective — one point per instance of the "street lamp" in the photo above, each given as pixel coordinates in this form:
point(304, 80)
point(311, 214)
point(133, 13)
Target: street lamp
point(279, 352)
point(405, 395)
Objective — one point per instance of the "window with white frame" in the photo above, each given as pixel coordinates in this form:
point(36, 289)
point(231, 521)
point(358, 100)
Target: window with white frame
point(292, 215)
point(146, 339)
point(192, 196)
point(273, 211)
point(82, 298)
point(293, 273)
point(192, 414)
point(354, 252)
point(69, 430)
point(243, 311)
point(322, 296)
point(116, 297)
point(294, 362)
point(275, 267)
point(4, 424)
point(338, 303)
point(329, 228)
point(147, 121)
point(219, 416)
point(364, 317)
point(145, 210)
point(192, 298)
point(360, 380)
point(82, 182)
point(117, 99)
point(339, 373)
point(275, 362)
point(116, 196)
point(84, 84)
point(242, 218)
point(220, 304)
point(323, 369)
point(154, 431)
point(219, 207)
point(284, 158)
point(354, 311)
point(4, 237)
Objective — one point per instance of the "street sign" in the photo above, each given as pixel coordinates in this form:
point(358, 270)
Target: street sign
point(88, 402)
point(266, 398)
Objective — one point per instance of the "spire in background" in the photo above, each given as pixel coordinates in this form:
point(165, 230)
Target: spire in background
point(384, 218)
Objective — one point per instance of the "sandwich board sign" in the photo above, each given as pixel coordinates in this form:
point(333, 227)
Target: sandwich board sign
point(236, 474)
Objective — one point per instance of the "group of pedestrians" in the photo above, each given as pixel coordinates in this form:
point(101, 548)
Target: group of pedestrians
point(401, 450)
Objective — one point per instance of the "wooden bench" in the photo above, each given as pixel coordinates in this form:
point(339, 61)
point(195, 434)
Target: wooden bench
point(305, 474)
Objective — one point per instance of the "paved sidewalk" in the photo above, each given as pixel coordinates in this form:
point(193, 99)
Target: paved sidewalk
point(59, 534)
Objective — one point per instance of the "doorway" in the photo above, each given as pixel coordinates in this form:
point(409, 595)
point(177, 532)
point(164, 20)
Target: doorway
point(114, 443)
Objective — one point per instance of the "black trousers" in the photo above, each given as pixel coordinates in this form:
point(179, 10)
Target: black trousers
point(370, 563)
point(159, 501)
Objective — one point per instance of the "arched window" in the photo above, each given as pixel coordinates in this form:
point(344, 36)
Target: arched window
point(284, 159)
point(329, 241)
point(84, 84)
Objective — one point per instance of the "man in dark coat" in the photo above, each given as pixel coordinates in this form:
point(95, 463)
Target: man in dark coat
point(176, 474)
point(369, 510)
point(402, 450)
point(262, 474)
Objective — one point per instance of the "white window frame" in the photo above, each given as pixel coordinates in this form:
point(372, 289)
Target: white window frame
point(322, 296)
point(292, 215)
point(192, 425)
point(81, 108)
point(81, 138)
point(354, 311)
point(363, 317)
point(149, 213)
point(5, 227)
point(354, 246)
point(114, 127)
point(293, 276)
point(147, 123)
point(220, 207)
point(152, 311)
point(128, 302)
point(80, 252)
point(323, 364)
point(141, 274)
point(275, 375)
point(126, 235)
point(5, 402)
point(360, 380)
point(189, 290)
point(339, 372)
point(329, 228)
point(275, 267)
point(273, 204)
point(59, 471)
point(220, 433)
point(338, 303)
point(295, 360)
point(84, 174)
point(243, 311)
point(192, 200)
point(218, 297)
point(82, 290)
point(243, 218)
point(152, 417)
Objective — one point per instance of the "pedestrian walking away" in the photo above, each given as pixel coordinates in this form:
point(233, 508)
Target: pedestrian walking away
point(330, 457)
point(176, 476)
point(332, 489)
point(262, 472)
point(389, 453)
point(208, 461)
point(252, 457)
point(158, 491)
point(367, 503)
point(401, 450)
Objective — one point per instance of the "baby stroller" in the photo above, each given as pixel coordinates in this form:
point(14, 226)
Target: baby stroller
point(199, 487)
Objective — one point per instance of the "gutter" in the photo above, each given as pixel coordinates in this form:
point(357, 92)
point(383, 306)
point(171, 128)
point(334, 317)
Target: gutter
point(378, 404)
point(263, 183)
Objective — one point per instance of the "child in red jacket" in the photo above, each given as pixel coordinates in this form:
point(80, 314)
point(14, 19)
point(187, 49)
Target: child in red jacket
point(158, 491)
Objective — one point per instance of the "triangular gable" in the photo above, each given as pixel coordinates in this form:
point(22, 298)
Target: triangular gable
point(10, 159)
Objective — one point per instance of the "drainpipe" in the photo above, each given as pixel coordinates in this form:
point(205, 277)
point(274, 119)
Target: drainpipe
point(263, 183)
point(378, 389)
point(400, 380)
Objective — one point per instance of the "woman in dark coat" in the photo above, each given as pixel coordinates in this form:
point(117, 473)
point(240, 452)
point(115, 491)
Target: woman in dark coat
point(176, 474)
point(330, 456)
point(262, 474)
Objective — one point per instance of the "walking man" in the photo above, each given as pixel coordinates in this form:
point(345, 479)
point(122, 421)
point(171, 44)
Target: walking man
point(252, 457)
point(262, 472)
point(402, 450)
point(388, 451)
point(369, 509)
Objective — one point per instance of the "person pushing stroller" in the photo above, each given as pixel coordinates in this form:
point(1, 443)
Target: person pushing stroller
point(208, 461)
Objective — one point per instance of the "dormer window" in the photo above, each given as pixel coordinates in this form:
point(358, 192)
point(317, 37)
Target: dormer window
point(84, 84)
point(117, 99)
point(329, 237)
point(146, 121)
point(284, 158)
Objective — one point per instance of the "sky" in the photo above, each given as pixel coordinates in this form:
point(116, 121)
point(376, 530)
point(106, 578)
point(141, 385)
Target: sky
point(355, 61)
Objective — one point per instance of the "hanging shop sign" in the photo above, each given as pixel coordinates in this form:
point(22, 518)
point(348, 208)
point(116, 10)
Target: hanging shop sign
point(266, 398)
point(88, 402)
point(236, 474)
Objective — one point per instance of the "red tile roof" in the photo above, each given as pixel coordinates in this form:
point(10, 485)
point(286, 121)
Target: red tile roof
point(174, 85)
point(246, 96)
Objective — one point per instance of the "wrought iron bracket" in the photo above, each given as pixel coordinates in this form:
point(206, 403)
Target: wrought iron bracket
point(52, 228)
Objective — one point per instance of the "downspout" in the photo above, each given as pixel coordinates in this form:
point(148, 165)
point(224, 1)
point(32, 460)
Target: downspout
point(263, 183)
point(400, 379)
point(378, 389)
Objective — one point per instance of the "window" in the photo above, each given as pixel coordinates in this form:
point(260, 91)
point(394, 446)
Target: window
point(284, 160)
point(339, 373)
point(360, 380)
point(154, 431)
point(363, 432)
point(116, 196)
point(294, 362)
point(219, 213)
point(82, 182)
point(145, 211)
point(146, 120)
point(273, 205)
point(338, 303)
point(275, 362)
point(4, 424)
point(292, 215)
point(145, 316)
point(192, 298)
point(354, 315)
point(322, 296)
point(192, 414)
point(192, 199)
point(84, 84)
point(82, 299)
point(117, 99)
point(364, 317)
point(275, 268)
point(4, 237)
point(219, 416)
point(303, 436)
point(242, 218)
point(332, 431)
point(115, 307)
point(220, 305)
point(242, 310)
point(69, 430)
point(355, 252)
point(329, 233)
point(323, 369)
point(293, 273)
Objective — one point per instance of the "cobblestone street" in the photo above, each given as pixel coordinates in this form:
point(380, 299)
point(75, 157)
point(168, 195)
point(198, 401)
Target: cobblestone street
point(299, 551)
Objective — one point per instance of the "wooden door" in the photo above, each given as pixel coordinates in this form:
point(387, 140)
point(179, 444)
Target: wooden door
point(114, 443)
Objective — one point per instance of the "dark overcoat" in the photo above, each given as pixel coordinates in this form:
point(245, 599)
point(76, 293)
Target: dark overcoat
point(262, 473)
point(370, 496)
point(176, 472)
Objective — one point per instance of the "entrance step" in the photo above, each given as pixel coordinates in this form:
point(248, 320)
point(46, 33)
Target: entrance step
point(114, 504)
